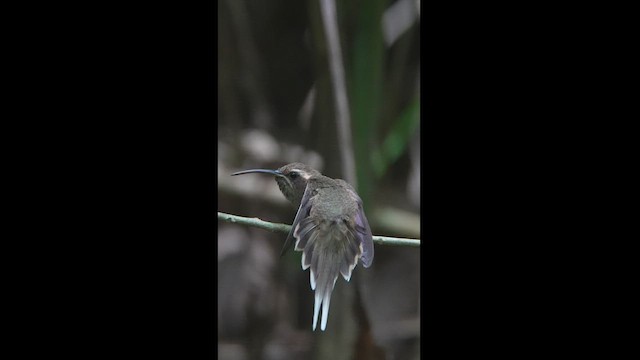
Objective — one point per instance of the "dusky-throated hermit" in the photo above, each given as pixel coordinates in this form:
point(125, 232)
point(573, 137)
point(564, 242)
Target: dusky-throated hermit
point(330, 228)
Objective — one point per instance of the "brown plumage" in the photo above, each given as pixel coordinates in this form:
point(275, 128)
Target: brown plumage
point(330, 229)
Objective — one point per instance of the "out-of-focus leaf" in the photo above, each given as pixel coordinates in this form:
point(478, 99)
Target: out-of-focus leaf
point(396, 221)
point(398, 18)
point(367, 55)
point(396, 141)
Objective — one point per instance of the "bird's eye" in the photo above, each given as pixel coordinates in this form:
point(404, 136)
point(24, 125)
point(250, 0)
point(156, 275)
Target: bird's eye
point(293, 174)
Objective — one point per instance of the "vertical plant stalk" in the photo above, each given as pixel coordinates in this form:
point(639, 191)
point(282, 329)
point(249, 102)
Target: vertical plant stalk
point(252, 82)
point(366, 89)
point(343, 119)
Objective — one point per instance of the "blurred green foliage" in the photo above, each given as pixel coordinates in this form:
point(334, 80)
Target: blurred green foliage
point(395, 144)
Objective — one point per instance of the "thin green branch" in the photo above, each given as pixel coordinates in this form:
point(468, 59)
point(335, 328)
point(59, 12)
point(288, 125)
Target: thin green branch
point(255, 222)
point(284, 228)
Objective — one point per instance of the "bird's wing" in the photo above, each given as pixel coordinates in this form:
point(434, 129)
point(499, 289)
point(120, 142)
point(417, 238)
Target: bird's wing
point(363, 231)
point(303, 212)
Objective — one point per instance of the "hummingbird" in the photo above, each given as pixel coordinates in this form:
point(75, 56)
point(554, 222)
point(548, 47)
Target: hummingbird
point(330, 229)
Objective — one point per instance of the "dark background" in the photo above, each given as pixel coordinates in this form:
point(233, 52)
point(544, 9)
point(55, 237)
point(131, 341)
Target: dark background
point(121, 115)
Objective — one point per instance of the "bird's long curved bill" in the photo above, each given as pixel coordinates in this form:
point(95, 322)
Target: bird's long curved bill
point(265, 171)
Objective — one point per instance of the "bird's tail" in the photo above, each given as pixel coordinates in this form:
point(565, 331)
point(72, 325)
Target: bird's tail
point(330, 249)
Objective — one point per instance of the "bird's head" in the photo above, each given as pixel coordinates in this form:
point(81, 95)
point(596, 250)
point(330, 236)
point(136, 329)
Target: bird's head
point(292, 179)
